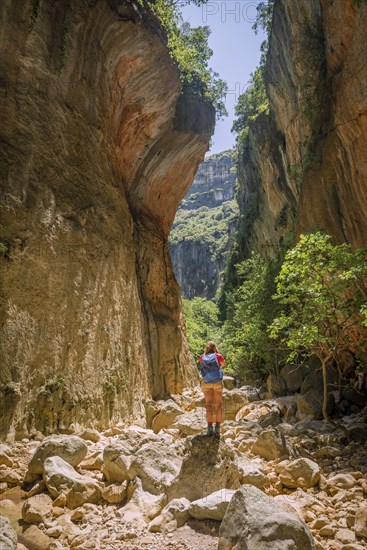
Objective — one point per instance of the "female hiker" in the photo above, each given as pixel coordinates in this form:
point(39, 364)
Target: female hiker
point(212, 385)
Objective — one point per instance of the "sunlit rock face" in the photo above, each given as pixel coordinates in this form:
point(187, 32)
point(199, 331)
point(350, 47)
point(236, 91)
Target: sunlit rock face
point(98, 148)
point(305, 166)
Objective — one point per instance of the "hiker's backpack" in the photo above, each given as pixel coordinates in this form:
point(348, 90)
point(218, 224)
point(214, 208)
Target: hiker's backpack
point(210, 369)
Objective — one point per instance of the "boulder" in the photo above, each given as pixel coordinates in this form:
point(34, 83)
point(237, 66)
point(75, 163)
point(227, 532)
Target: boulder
point(232, 402)
point(70, 448)
point(5, 460)
point(270, 445)
point(314, 380)
point(208, 466)
point(90, 434)
point(60, 477)
point(290, 504)
point(113, 494)
point(358, 431)
point(302, 472)
point(228, 382)
point(38, 488)
point(340, 481)
point(252, 393)
point(157, 465)
point(174, 515)
point(166, 416)
point(360, 524)
point(33, 537)
point(93, 461)
point(293, 376)
point(272, 418)
point(213, 506)
point(151, 410)
point(276, 385)
point(10, 476)
point(37, 508)
point(117, 459)
point(250, 473)
point(257, 411)
point(355, 397)
point(142, 506)
point(8, 537)
point(11, 511)
point(192, 422)
point(253, 521)
point(309, 405)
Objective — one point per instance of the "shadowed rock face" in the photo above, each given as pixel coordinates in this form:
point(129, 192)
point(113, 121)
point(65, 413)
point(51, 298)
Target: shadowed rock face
point(98, 148)
point(305, 166)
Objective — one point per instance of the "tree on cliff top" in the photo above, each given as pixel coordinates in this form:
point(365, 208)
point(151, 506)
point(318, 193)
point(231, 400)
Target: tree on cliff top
point(323, 289)
point(189, 48)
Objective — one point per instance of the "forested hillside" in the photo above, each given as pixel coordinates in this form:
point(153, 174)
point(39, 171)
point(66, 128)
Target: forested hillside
point(205, 221)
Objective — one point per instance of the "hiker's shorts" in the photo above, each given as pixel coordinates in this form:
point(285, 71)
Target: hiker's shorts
point(217, 386)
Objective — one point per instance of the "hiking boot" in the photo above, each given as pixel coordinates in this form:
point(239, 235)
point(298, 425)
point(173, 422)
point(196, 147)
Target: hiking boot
point(217, 431)
point(210, 431)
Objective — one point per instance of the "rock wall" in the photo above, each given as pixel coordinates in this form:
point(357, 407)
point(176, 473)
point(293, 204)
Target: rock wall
point(204, 223)
point(305, 164)
point(98, 148)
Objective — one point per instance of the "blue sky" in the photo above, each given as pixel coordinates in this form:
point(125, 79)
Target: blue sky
point(236, 52)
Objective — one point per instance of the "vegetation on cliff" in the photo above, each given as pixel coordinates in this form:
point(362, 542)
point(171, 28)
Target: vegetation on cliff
point(190, 50)
point(322, 289)
point(205, 221)
point(208, 226)
point(313, 302)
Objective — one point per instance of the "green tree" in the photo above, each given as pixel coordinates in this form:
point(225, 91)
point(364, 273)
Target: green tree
point(246, 343)
point(201, 324)
point(252, 103)
point(264, 16)
point(322, 288)
point(190, 50)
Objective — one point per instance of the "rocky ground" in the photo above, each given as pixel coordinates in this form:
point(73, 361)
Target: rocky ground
point(169, 486)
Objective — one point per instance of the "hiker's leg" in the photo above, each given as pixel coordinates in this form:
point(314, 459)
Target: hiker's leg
point(209, 402)
point(218, 405)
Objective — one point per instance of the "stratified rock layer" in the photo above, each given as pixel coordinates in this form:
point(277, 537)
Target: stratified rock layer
point(98, 148)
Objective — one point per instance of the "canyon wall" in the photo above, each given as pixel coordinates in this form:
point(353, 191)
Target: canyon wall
point(98, 147)
point(305, 164)
point(203, 226)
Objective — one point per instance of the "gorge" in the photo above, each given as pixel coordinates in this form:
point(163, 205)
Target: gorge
point(101, 413)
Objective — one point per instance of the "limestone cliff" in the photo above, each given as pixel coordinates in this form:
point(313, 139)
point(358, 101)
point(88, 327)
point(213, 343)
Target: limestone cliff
point(204, 223)
point(98, 148)
point(305, 163)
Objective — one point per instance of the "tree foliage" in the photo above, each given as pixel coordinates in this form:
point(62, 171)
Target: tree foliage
point(201, 324)
point(253, 102)
point(264, 16)
point(323, 290)
point(190, 50)
point(246, 343)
